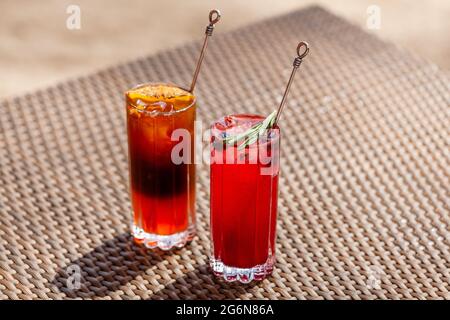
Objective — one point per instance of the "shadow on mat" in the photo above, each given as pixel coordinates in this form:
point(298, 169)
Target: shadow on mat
point(119, 261)
point(106, 268)
point(202, 284)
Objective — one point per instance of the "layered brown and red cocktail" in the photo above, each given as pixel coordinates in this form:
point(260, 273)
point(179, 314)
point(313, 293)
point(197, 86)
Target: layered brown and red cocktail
point(162, 181)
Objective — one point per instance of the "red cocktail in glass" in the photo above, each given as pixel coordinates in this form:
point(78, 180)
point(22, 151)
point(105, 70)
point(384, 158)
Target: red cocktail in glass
point(244, 194)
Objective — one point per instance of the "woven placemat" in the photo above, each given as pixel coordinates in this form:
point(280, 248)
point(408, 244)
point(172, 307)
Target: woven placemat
point(364, 192)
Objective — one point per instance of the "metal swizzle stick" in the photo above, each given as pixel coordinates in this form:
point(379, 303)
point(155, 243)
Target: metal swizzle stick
point(214, 17)
point(297, 62)
point(251, 135)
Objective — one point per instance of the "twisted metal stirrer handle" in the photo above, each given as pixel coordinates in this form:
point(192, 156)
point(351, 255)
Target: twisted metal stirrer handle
point(214, 17)
point(303, 45)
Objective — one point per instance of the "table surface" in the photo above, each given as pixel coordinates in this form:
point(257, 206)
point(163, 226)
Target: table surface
point(364, 190)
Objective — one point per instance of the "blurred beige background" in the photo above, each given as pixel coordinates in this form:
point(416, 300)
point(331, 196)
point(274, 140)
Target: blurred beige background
point(37, 49)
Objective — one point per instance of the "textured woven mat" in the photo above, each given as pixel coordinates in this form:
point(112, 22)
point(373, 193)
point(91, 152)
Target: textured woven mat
point(364, 199)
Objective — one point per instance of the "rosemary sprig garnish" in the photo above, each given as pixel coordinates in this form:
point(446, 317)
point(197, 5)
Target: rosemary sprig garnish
point(250, 136)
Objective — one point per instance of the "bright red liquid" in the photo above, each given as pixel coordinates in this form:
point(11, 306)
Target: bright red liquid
point(243, 200)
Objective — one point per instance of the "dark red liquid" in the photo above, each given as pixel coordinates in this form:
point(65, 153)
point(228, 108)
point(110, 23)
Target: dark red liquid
point(243, 200)
point(162, 192)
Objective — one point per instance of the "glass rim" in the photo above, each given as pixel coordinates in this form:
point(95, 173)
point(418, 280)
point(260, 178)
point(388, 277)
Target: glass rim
point(271, 140)
point(152, 84)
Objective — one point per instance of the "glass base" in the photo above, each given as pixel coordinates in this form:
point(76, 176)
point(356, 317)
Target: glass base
point(164, 242)
point(243, 275)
